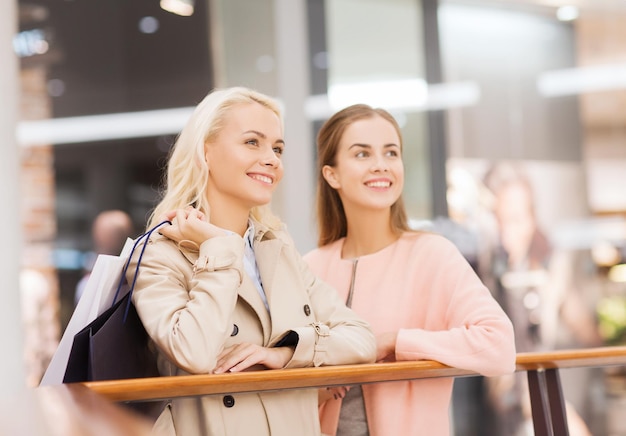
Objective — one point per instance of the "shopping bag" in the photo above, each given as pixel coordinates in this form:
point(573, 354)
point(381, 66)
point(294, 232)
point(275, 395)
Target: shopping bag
point(98, 295)
point(115, 344)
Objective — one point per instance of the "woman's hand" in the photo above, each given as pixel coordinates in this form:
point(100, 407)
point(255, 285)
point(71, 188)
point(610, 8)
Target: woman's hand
point(244, 355)
point(386, 347)
point(190, 224)
point(336, 392)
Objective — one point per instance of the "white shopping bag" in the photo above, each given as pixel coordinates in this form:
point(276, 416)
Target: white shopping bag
point(98, 295)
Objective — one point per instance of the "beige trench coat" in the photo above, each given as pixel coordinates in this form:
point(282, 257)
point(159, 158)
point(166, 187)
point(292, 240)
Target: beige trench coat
point(193, 304)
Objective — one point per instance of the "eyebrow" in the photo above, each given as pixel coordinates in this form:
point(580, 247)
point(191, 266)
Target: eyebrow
point(262, 135)
point(390, 145)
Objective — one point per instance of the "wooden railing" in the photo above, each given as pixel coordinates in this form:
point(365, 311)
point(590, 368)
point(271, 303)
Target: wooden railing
point(547, 402)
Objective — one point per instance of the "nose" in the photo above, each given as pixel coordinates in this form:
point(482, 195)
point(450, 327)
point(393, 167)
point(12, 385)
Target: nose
point(270, 159)
point(379, 164)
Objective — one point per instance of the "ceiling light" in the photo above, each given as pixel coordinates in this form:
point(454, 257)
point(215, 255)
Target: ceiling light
point(407, 94)
point(387, 93)
point(567, 13)
point(91, 128)
point(178, 7)
point(148, 25)
point(573, 81)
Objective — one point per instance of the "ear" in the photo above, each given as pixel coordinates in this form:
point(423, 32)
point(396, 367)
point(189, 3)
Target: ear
point(330, 176)
point(206, 156)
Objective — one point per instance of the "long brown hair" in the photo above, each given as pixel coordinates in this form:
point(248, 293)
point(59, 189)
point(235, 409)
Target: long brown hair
point(331, 216)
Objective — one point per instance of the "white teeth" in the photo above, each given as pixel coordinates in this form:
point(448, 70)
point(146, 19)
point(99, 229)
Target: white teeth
point(379, 184)
point(263, 179)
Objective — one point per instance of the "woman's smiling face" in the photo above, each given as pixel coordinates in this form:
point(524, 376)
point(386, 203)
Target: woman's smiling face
point(368, 170)
point(245, 158)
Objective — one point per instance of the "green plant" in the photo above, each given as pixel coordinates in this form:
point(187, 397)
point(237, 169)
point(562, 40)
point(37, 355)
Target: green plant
point(612, 319)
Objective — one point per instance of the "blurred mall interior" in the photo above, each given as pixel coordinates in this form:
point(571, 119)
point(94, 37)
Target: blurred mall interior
point(487, 92)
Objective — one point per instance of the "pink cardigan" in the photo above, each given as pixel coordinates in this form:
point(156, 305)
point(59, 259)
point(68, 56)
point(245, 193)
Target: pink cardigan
point(422, 287)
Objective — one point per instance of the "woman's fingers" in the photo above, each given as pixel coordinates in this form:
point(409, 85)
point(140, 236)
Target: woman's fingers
point(190, 224)
point(335, 392)
point(183, 214)
point(181, 217)
point(243, 356)
point(168, 216)
point(194, 213)
point(238, 358)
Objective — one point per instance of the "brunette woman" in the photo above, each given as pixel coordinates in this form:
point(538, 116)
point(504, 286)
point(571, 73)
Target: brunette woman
point(420, 295)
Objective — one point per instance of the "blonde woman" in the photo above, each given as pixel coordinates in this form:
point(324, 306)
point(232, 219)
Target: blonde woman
point(421, 297)
point(224, 290)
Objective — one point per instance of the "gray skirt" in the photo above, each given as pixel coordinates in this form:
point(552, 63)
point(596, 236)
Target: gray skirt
point(352, 418)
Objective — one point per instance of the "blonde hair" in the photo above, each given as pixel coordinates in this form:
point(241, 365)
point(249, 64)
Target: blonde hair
point(331, 217)
point(187, 170)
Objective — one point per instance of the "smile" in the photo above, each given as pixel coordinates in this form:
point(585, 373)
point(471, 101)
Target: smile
point(379, 184)
point(262, 178)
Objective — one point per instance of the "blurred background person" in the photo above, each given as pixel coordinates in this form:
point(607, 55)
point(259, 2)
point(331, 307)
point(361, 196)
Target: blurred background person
point(109, 232)
point(536, 284)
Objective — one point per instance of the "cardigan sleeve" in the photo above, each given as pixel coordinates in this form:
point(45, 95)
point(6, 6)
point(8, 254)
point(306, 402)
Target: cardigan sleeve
point(477, 334)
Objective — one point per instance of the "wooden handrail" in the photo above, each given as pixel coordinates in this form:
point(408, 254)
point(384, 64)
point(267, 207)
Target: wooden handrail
point(573, 358)
point(256, 381)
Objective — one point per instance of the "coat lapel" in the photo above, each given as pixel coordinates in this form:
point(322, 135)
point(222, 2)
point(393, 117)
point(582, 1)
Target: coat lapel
point(267, 254)
point(249, 293)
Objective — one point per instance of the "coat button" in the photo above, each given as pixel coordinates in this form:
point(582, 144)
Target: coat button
point(235, 330)
point(229, 401)
point(307, 310)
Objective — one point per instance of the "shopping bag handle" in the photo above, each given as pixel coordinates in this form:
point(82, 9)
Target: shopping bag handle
point(142, 237)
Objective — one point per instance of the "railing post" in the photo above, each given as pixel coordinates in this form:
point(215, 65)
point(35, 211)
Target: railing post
point(547, 402)
point(539, 403)
point(557, 403)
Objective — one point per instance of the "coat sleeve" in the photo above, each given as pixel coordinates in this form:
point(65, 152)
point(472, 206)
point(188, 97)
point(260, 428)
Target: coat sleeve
point(476, 333)
point(338, 337)
point(187, 309)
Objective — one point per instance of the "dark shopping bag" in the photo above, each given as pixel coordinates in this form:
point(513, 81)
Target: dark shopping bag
point(115, 345)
